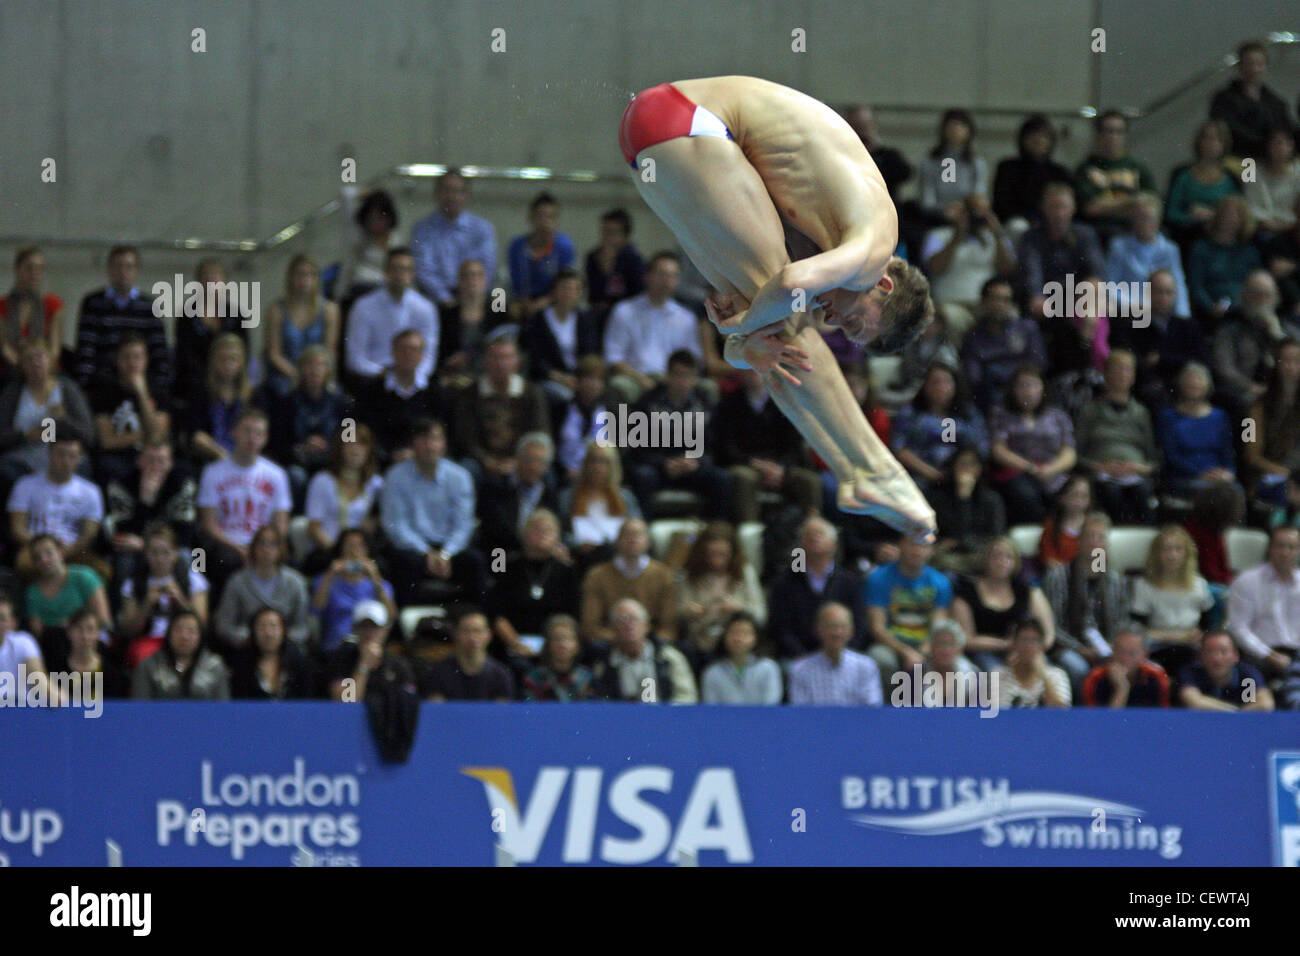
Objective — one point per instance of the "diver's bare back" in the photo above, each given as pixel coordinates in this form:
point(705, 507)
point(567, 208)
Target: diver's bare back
point(821, 178)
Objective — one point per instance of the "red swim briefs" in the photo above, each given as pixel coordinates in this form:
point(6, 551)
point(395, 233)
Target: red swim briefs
point(662, 113)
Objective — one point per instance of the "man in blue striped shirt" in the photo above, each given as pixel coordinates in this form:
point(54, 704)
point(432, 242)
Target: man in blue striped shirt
point(427, 511)
point(445, 239)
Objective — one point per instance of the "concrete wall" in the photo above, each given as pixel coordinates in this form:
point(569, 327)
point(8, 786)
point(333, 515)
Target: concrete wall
point(154, 139)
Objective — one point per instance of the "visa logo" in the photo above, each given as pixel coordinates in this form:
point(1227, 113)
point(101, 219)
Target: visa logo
point(712, 818)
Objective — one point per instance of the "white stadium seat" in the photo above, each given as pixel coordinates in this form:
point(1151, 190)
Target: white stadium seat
point(1127, 550)
point(672, 502)
point(662, 531)
point(1026, 538)
point(300, 544)
point(410, 617)
point(884, 370)
point(751, 545)
point(1246, 548)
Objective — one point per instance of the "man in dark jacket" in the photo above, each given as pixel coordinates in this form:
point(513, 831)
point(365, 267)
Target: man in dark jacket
point(762, 450)
point(1248, 106)
point(813, 578)
point(494, 411)
point(688, 467)
point(506, 500)
point(400, 397)
point(1163, 345)
point(560, 334)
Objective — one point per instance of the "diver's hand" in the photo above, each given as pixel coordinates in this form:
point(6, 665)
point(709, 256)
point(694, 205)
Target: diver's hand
point(765, 351)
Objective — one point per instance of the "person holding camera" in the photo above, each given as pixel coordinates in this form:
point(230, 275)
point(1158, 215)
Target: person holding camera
point(352, 577)
point(961, 256)
point(162, 585)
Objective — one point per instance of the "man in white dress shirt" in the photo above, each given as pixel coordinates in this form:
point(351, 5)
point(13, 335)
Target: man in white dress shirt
point(378, 316)
point(643, 331)
point(1264, 605)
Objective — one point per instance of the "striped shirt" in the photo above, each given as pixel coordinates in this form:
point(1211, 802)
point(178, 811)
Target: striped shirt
point(1056, 586)
point(104, 319)
point(855, 680)
point(1040, 438)
point(1012, 693)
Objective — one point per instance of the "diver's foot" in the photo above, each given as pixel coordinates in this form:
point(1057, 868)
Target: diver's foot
point(892, 498)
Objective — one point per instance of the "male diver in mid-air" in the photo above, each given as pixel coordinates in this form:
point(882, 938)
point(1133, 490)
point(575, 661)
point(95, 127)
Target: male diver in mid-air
point(737, 167)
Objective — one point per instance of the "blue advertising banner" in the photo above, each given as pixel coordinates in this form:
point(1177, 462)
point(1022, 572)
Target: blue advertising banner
point(282, 784)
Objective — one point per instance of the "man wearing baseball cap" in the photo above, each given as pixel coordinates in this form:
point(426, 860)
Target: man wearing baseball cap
point(362, 654)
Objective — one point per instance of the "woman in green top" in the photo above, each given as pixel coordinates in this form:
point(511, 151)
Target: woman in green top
point(1219, 263)
point(1195, 190)
point(60, 590)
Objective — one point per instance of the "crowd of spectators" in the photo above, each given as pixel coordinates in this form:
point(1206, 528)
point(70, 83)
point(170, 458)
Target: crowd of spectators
point(216, 516)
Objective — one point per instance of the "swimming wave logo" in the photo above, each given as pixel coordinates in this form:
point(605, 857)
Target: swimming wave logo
point(1284, 798)
point(975, 815)
point(1289, 777)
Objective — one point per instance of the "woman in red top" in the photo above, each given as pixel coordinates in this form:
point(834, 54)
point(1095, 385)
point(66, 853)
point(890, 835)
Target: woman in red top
point(25, 313)
point(1059, 543)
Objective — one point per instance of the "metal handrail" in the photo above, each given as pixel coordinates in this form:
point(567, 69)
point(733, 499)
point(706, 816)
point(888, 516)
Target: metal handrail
point(933, 109)
point(283, 235)
point(547, 174)
point(1221, 65)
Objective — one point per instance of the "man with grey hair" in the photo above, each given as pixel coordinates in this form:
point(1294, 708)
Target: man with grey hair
point(1128, 679)
point(506, 499)
point(1135, 254)
point(1243, 347)
point(946, 649)
point(1056, 247)
point(812, 577)
point(1167, 341)
point(958, 678)
point(639, 667)
point(835, 675)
